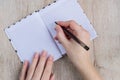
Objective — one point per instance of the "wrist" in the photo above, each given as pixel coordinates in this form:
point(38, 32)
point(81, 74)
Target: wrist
point(89, 72)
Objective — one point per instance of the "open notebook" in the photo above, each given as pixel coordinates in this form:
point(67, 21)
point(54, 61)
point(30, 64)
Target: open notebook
point(36, 31)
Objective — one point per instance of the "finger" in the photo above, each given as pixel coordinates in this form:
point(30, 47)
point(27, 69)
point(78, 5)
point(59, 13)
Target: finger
point(70, 24)
point(32, 67)
point(55, 38)
point(40, 66)
point(48, 69)
point(52, 77)
point(61, 36)
point(24, 70)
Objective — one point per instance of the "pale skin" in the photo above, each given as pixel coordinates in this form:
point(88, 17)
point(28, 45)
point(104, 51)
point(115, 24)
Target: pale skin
point(41, 67)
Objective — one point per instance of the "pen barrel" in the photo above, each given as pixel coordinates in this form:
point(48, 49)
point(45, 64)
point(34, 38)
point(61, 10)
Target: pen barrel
point(75, 38)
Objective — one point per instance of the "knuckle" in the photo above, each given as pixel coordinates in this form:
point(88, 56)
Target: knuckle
point(72, 21)
point(81, 26)
point(87, 33)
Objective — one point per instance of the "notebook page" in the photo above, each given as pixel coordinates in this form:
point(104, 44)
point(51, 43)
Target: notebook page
point(31, 35)
point(64, 10)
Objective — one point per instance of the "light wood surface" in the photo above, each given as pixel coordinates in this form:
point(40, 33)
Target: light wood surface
point(103, 14)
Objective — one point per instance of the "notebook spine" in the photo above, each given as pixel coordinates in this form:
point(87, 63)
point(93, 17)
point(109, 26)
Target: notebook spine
point(29, 15)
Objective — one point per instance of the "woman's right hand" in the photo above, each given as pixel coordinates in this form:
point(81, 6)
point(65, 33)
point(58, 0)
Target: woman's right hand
point(77, 54)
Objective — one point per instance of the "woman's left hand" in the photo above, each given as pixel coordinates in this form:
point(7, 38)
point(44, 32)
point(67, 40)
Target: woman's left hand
point(40, 69)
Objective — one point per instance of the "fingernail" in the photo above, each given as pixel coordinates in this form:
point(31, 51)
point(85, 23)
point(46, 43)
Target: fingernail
point(25, 62)
point(55, 38)
point(44, 53)
point(36, 55)
point(51, 58)
point(57, 28)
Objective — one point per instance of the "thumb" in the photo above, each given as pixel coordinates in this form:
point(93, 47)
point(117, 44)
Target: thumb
point(61, 36)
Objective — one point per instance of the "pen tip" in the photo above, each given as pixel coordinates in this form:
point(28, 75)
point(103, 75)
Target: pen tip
point(55, 22)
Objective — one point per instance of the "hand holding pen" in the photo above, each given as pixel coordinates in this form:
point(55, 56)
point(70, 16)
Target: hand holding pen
point(72, 47)
point(70, 35)
point(77, 54)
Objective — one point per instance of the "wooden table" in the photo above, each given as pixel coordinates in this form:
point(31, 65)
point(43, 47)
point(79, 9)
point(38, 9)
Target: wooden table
point(103, 14)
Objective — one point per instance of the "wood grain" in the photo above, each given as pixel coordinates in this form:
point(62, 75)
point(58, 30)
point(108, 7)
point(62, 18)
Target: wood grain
point(103, 14)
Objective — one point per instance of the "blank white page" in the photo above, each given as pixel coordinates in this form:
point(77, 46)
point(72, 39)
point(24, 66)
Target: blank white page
point(64, 10)
point(31, 35)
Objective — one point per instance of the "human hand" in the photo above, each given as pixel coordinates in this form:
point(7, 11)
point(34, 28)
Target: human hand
point(40, 69)
point(77, 54)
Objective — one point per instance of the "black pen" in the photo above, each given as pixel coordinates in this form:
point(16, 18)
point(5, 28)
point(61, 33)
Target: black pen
point(74, 38)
